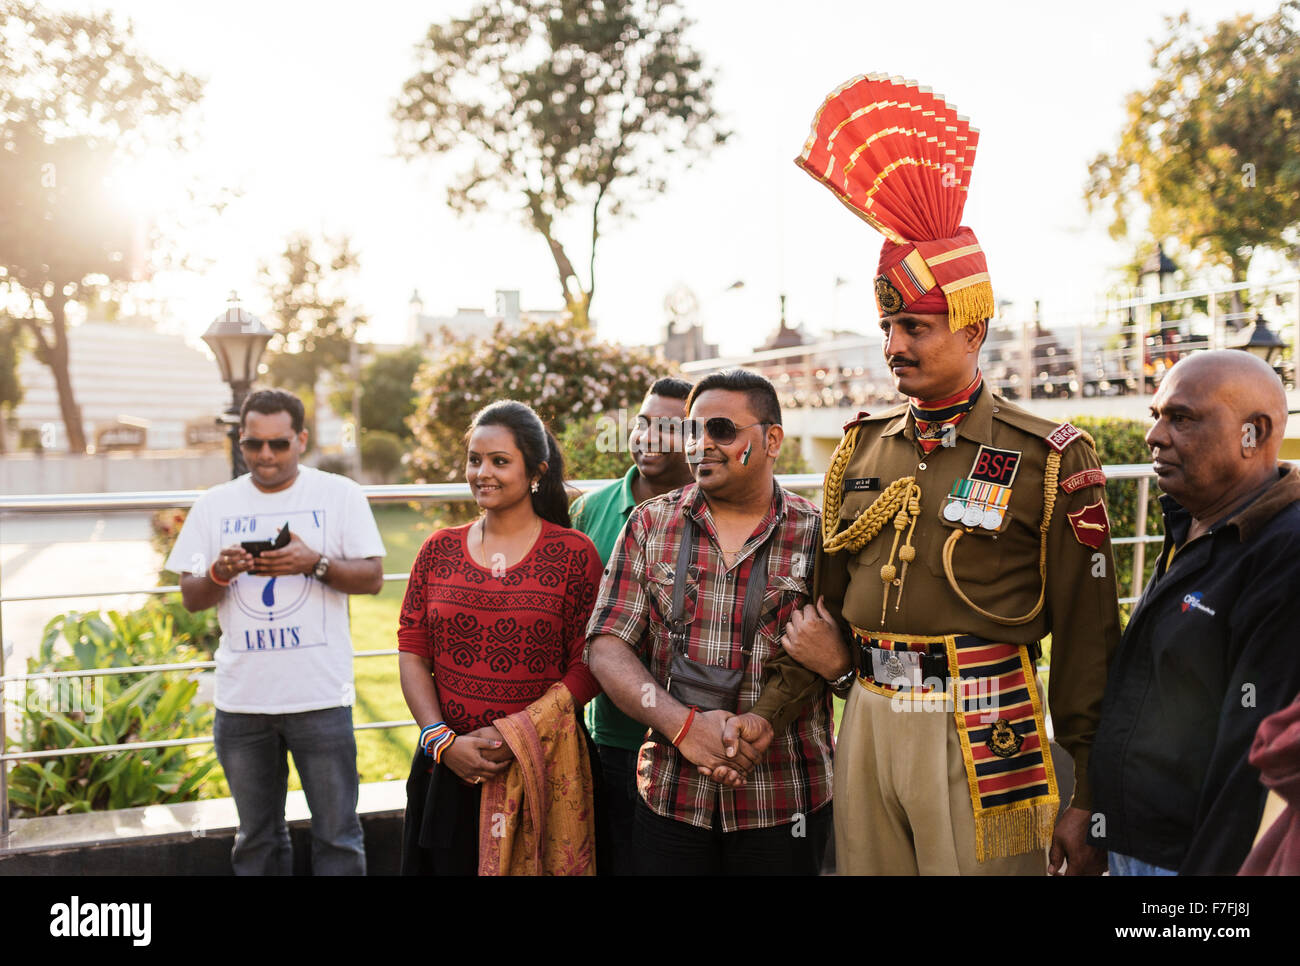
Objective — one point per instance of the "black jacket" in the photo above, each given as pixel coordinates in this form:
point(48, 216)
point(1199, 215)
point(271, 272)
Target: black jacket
point(1212, 649)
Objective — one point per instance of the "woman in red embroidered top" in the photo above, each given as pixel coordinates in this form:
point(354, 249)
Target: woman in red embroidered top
point(495, 614)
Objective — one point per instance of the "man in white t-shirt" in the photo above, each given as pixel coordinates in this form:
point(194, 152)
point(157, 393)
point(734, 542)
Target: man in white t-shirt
point(284, 667)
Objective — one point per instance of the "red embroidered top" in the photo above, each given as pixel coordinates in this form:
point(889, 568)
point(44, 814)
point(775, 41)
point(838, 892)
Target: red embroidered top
point(498, 641)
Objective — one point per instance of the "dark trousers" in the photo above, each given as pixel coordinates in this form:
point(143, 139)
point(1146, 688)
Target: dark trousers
point(665, 846)
point(440, 828)
point(615, 809)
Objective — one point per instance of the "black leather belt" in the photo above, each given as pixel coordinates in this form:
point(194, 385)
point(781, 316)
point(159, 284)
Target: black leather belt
point(932, 665)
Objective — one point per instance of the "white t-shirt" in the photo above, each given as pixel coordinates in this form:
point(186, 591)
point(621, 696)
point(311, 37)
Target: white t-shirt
point(285, 641)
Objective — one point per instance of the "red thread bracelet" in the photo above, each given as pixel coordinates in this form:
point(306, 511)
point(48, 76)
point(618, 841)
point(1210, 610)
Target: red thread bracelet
point(685, 726)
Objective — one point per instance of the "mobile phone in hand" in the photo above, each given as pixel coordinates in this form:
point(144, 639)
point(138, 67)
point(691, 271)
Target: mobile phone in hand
point(258, 547)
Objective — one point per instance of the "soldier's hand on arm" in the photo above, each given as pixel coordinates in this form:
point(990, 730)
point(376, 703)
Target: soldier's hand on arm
point(813, 638)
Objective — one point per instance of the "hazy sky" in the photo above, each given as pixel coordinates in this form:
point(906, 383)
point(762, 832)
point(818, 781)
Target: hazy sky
point(297, 114)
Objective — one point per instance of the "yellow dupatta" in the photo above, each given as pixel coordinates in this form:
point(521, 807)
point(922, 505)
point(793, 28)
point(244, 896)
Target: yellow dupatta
point(537, 817)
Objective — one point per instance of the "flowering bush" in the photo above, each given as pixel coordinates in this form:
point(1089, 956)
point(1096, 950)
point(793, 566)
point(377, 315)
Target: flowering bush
point(561, 370)
point(164, 527)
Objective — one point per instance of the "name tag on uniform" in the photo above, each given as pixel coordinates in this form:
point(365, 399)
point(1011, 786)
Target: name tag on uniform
point(862, 484)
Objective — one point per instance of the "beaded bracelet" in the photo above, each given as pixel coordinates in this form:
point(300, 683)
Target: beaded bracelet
point(435, 739)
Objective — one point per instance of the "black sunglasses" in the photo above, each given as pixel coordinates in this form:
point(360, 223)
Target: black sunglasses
point(720, 429)
point(251, 444)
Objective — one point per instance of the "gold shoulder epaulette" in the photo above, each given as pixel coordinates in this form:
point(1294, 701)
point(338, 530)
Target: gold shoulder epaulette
point(865, 417)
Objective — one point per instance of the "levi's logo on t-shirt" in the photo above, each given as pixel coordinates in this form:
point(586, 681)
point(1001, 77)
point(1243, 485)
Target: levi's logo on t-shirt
point(285, 612)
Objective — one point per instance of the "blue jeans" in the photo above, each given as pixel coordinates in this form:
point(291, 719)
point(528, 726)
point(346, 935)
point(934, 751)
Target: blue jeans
point(251, 749)
point(1127, 865)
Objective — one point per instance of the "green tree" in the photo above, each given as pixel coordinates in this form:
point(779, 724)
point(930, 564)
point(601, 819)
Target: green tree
point(76, 99)
point(587, 453)
point(1211, 151)
point(381, 453)
point(1121, 441)
point(314, 328)
point(564, 105)
point(11, 390)
point(563, 371)
point(387, 391)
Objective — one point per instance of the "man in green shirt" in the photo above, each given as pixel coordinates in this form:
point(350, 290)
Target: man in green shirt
point(659, 466)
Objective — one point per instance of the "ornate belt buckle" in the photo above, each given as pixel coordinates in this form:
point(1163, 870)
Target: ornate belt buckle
point(896, 669)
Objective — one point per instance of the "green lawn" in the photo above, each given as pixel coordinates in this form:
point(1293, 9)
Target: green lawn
point(384, 754)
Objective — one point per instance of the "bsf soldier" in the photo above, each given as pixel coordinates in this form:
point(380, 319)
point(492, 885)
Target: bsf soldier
point(959, 532)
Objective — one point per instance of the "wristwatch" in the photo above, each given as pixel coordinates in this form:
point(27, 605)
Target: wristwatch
point(840, 685)
point(322, 568)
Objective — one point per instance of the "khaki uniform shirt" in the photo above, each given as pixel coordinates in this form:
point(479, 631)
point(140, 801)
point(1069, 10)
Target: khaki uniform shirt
point(998, 571)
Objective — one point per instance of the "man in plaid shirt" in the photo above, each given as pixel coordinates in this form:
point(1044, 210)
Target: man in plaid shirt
point(720, 792)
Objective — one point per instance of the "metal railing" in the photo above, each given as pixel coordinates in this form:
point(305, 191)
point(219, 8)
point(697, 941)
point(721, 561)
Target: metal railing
point(437, 493)
point(1121, 347)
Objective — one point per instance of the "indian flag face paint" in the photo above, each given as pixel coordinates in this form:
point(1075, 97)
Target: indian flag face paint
point(744, 457)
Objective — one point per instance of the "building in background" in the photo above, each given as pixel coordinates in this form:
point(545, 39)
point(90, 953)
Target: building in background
point(432, 331)
point(684, 342)
point(138, 388)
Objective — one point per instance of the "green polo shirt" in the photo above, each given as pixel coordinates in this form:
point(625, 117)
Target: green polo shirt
point(601, 516)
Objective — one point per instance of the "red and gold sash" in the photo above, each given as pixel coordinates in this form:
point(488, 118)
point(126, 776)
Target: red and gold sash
point(999, 715)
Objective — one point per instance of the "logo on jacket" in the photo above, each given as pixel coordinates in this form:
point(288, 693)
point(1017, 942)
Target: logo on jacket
point(1091, 527)
point(1194, 601)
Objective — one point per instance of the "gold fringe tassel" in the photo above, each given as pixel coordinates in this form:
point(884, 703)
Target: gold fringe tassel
point(1018, 827)
point(1024, 828)
point(969, 305)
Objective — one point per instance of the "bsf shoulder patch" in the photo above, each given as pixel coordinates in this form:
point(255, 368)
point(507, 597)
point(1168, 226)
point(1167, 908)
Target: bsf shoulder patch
point(1062, 436)
point(1083, 478)
point(1091, 527)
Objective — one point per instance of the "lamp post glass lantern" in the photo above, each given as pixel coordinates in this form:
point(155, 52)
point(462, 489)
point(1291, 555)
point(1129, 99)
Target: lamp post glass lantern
point(1259, 340)
point(237, 339)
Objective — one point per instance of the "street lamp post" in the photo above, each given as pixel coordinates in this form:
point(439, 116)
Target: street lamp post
point(1259, 340)
point(237, 338)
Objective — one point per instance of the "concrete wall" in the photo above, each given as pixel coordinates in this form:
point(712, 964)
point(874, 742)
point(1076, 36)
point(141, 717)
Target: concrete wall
point(119, 472)
point(197, 855)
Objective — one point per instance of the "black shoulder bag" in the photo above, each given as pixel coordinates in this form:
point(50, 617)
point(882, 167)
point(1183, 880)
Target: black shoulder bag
point(704, 686)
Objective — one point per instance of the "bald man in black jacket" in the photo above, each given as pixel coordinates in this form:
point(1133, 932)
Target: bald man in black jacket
point(1213, 646)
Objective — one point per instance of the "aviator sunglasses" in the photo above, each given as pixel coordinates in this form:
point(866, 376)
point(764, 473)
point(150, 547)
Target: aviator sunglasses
point(251, 444)
point(720, 429)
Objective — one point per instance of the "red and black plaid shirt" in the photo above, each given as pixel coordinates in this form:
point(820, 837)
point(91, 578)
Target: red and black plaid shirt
point(794, 777)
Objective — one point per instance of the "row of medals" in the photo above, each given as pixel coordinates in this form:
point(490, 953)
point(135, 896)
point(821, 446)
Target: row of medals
point(977, 504)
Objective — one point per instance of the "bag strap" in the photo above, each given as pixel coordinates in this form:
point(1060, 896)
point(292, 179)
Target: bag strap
point(754, 588)
point(676, 624)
